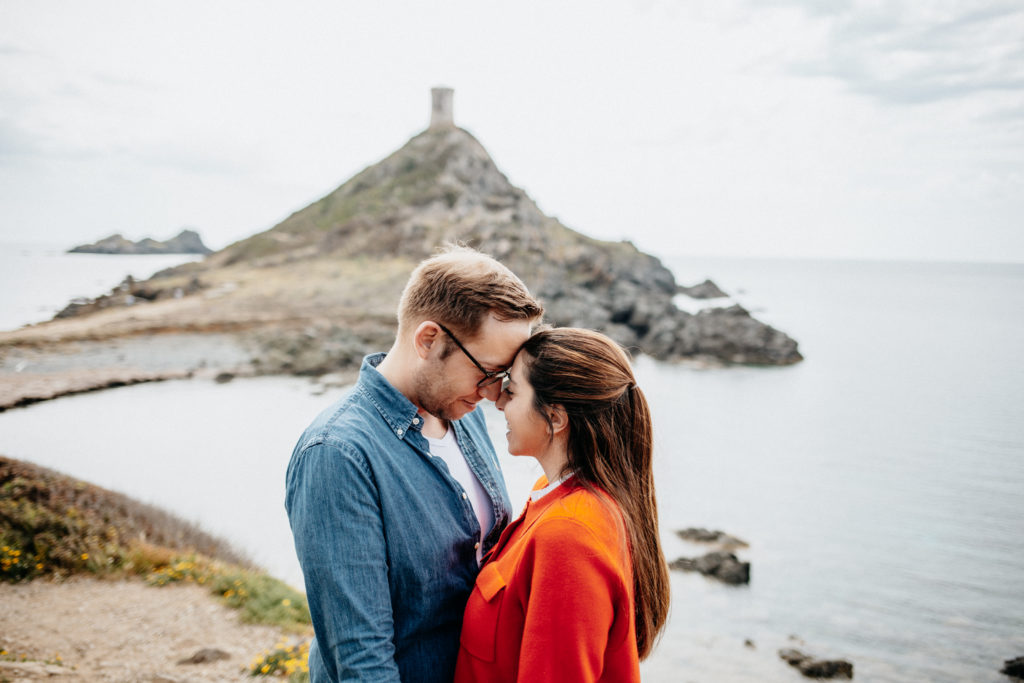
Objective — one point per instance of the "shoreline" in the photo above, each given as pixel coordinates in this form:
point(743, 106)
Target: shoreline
point(32, 374)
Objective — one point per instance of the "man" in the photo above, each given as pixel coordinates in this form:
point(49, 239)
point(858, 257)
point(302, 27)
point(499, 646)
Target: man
point(394, 493)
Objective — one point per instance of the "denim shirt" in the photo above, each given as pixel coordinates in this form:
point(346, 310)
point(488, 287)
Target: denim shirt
point(385, 535)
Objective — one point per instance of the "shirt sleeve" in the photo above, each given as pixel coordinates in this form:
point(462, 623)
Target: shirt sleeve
point(335, 515)
point(575, 598)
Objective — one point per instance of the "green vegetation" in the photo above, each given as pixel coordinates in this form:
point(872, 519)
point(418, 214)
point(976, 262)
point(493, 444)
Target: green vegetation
point(289, 660)
point(54, 525)
point(407, 178)
point(261, 598)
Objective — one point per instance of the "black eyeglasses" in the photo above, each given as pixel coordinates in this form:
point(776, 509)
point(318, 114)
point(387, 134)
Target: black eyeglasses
point(490, 377)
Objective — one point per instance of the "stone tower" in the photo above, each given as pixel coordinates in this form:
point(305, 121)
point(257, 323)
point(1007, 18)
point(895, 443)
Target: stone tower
point(441, 110)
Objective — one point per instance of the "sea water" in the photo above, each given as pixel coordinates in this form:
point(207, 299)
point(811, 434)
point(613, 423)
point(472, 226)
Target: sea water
point(37, 279)
point(878, 483)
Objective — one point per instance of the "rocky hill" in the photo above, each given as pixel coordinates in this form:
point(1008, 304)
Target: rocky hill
point(442, 186)
point(319, 290)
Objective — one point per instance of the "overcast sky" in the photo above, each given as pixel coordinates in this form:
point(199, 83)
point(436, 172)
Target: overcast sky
point(825, 128)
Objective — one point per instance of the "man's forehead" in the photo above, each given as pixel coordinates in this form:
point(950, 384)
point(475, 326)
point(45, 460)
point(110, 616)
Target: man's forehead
point(499, 340)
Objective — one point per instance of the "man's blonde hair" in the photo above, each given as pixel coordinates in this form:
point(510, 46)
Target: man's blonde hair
point(459, 287)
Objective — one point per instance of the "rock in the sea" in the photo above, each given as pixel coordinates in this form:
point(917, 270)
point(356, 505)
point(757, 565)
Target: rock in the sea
point(705, 290)
point(817, 668)
point(1014, 667)
point(185, 242)
point(702, 535)
point(733, 335)
point(723, 566)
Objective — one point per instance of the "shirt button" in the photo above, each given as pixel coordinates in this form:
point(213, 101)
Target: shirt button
point(399, 432)
point(476, 546)
point(415, 420)
point(463, 496)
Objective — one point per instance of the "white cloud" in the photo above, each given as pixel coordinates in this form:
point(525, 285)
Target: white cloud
point(842, 128)
point(911, 53)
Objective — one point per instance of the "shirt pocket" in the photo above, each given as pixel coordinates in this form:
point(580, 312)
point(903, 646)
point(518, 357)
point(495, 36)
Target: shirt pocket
point(480, 625)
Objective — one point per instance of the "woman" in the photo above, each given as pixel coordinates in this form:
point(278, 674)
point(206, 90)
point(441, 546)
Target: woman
point(576, 589)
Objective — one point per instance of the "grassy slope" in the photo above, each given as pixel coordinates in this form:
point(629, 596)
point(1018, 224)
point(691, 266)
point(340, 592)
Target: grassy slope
point(55, 525)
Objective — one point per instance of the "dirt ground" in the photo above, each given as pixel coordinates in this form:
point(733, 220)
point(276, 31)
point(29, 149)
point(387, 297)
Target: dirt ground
point(123, 630)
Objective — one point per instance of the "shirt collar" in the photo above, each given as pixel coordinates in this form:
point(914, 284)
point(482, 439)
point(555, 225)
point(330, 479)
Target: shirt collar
point(398, 412)
point(540, 493)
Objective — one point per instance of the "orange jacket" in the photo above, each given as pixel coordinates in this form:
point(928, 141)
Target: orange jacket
point(554, 599)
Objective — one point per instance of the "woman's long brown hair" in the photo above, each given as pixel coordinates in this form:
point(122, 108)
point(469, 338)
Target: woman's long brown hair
point(609, 447)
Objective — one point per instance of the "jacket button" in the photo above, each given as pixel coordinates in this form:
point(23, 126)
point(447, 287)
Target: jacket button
point(463, 496)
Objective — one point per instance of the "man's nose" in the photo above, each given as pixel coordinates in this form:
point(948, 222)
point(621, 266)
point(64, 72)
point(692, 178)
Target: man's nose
point(491, 392)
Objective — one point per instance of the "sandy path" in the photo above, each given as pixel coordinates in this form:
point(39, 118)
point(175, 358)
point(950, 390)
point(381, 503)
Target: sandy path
point(123, 631)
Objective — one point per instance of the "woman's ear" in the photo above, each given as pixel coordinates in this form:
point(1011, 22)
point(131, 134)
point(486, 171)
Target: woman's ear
point(559, 420)
point(425, 337)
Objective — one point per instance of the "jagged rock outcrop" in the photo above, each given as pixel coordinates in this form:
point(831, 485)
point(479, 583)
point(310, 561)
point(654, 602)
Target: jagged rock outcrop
point(720, 565)
point(1014, 667)
point(704, 290)
point(701, 535)
point(185, 242)
point(812, 667)
point(128, 293)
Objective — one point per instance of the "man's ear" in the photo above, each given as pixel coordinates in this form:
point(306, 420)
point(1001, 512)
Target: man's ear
point(559, 420)
point(426, 337)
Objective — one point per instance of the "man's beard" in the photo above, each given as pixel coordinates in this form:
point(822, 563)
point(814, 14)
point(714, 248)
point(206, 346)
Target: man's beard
point(435, 395)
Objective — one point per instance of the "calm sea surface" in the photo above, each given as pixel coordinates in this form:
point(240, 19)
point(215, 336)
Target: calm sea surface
point(38, 280)
point(879, 483)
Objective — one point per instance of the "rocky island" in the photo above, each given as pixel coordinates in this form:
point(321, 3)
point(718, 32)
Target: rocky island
point(316, 292)
point(185, 242)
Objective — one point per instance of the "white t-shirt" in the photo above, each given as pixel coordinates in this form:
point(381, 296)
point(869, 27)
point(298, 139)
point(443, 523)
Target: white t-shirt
point(447, 448)
point(537, 495)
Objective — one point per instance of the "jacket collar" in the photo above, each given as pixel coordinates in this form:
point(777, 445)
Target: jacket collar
point(534, 508)
point(532, 512)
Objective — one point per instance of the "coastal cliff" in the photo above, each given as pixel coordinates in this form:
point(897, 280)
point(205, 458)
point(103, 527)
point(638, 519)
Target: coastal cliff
point(316, 292)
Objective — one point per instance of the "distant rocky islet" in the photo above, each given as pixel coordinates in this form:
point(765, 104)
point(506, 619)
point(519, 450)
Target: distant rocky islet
point(185, 242)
